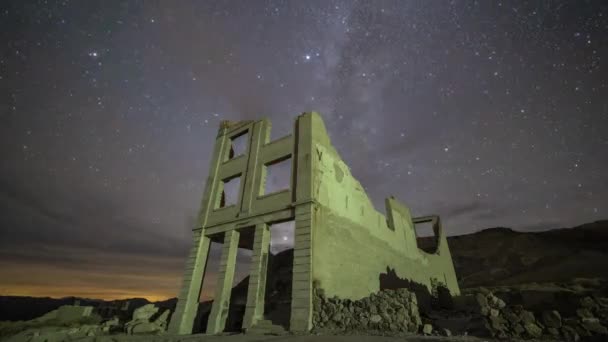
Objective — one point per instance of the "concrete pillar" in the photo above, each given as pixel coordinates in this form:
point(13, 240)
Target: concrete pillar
point(301, 290)
point(254, 310)
point(188, 298)
point(225, 277)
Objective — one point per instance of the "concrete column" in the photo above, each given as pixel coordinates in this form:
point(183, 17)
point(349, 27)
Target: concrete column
point(254, 310)
point(301, 290)
point(188, 298)
point(225, 277)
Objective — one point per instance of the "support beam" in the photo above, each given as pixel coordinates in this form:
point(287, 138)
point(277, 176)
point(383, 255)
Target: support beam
point(301, 288)
point(188, 299)
point(221, 302)
point(254, 310)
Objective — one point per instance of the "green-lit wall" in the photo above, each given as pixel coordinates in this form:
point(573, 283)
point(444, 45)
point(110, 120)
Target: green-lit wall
point(353, 243)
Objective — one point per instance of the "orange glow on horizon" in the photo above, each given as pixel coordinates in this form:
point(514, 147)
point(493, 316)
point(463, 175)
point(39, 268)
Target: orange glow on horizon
point(89, 293)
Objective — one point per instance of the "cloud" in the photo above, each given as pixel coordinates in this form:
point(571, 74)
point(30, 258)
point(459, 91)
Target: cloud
point(84, 220)
point(463, 209)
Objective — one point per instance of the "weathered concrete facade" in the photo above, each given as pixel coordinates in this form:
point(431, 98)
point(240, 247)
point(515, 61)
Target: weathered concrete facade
point(342, 244)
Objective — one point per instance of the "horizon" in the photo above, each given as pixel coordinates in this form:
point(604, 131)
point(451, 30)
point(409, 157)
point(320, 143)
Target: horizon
point(110, 111)
point(207, 296)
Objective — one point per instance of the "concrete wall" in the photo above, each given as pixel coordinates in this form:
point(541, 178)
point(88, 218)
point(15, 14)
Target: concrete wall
point(354, 243)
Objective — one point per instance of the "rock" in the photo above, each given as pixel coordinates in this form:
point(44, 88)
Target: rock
point(479, 326)
point(144, 312)
point(594, 326)
point(570, 334)
point(518, 329)
point(494, 313)
point(527, 317)
point(481, 299)
point(141, 324)
point(427, 329)
point(375, 318)
point(533, 330)
point(161, 321)
point(498, 323)
point(111, 322)
point(552, 319)
point(588, 303)
point(553, 332)
point(495, 302)
point(602, 301)
point(108, 325)
point(584, 313)
point(455, 324)
point(144, 328)
point(65, 314)
point(446, 332)
point(511, 317)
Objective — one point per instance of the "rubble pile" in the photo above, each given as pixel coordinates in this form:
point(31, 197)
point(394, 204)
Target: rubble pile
point(75, 322)
point(388, 310)
point(484, 314)
point(480, 314)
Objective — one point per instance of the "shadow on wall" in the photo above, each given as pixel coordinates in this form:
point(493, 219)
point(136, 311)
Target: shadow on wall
point(439, 298)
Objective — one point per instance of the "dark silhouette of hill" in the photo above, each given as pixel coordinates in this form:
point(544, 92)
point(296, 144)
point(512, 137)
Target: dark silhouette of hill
point(502, 256)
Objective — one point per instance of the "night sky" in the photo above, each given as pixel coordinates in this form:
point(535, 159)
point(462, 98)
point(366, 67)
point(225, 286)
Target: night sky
point(486, 113)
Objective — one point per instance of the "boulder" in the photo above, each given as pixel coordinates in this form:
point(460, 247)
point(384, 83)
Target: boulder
point(65, 314)
point(588, 303)
point(145, 328)
point(141, 324)
point(427, 329)
point(594, 326)
point(375, 318)
point(161, 321)
point(584, 313)
point(527, 317)
point(552, 319)
point(570, 334)
point(495, 302)
point(108, 325)
point(145, 312)
point(533, 330)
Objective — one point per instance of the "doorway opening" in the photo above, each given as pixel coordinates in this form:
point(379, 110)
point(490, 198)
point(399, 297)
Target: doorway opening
point(240, 283)
point(209, 285)
point(277, 303)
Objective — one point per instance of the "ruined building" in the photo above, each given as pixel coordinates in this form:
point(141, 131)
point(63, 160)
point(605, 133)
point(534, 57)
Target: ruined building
point(341, 243)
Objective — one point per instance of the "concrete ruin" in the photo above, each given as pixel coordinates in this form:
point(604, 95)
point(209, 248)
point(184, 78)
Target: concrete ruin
point(342, 244)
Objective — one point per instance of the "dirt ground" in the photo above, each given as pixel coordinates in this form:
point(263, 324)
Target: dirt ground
point(283, 338)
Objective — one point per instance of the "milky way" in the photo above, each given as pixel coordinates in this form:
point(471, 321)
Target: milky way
point(486, 113)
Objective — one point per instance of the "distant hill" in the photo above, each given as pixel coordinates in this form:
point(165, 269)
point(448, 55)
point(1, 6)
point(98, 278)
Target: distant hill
point(502, 256)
